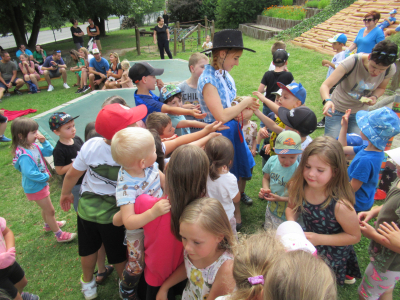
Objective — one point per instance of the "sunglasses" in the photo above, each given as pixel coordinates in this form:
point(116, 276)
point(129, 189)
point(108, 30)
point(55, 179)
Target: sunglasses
point(368, 20)
point(383, 55)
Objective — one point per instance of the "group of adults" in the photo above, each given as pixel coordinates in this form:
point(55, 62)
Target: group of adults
point(92, 31)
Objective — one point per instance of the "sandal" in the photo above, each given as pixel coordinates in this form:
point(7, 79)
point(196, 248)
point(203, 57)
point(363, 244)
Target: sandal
point(104, 275)
point(75, 84)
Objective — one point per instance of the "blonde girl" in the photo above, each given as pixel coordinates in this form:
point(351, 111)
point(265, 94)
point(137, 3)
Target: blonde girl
point(222, 184)
point(125, 81)
point(80, 64)
point(114, 73)
point(27, 68)
point(320, 191)
point(207, 239)
point(298, 275)
point(29, 160)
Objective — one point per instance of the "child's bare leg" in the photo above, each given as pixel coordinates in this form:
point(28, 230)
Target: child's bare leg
point(88, 263)
point(237, 214)
point(388, 295)
point(18, 297)
point(20, 285)
point(120, 268)
point(78, 79)
point(48, 213)
point(101, 260)
point(242, 185)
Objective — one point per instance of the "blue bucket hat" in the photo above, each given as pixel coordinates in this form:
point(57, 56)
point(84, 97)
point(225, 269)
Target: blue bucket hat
point(378, 125)
point(296, 89)
point(169, 90)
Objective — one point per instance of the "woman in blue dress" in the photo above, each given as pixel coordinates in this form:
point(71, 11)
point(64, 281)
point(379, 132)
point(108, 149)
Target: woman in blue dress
point(216, 90)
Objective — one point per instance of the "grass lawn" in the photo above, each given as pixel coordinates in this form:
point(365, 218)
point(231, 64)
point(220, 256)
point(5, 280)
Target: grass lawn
point(53, 270)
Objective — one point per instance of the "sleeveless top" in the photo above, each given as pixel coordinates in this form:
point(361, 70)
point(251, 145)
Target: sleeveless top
point(200, 280)
point(93, 29)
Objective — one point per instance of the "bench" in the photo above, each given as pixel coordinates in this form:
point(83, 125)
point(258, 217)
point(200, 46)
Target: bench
point(143, 33)
point(44, 87)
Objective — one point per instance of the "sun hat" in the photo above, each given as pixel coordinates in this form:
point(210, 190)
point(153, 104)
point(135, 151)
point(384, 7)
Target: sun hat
point(95, 51)
point(169, 90)
point(395, 155)
point(293, 238)
point(142, 69)
point(114, 117)
point(58, 119)
point(296, 89)
point(340, 38)
point(378, 125)
point(288, 142)
point(228, 38)
point(300, 118)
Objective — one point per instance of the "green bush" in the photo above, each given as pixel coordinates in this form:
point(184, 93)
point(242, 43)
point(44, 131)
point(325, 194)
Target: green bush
point(184, 10)
point(287, 2)
point(231, 13)
point(285, 12)
point(312, 4)
point(208, 8)
point(323, 3)
point(329, 11)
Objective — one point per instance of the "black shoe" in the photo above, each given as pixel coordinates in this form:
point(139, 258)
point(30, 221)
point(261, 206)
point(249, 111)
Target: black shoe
point(85, 88)
point(246, 199)
point(79, 91)
point(238, 226)
point(17, 92)
point(321, 124)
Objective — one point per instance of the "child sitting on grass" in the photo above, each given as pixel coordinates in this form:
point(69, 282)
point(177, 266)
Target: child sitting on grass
point(377, 127)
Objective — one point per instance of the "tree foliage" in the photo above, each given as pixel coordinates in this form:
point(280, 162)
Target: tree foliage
point(208, 9)
point(185, 10)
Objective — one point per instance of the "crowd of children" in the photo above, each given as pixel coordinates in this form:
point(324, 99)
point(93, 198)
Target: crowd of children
point(154, 194)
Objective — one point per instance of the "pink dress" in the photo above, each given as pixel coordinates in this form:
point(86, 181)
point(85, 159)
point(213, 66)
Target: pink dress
point(32, 65)
point(125, 77)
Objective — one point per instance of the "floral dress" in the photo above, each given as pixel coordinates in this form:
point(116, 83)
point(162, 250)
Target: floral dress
point(200, 280)
point(341, 259)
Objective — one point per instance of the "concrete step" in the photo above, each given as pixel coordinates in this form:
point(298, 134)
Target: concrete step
point(264, 27)
point(260, 32)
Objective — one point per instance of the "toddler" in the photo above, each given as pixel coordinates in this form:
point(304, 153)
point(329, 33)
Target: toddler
point(125, 81)
point(207, 45)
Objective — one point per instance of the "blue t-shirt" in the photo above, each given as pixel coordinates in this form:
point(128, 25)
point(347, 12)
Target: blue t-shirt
point(27, 52)
point(279, 176)
point(152, 102)
point(175, 120)
point(365, 167)
point(49, 59)
point(101, 66)
point(385, 23)
point(367, 43)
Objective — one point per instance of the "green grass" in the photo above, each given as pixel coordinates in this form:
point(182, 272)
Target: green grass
point(53, 270)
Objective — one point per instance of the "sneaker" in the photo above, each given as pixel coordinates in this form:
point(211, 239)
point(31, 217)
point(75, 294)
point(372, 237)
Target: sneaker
point(66, 237)
point(349, 280)
point(80, 90)
point(321, 124)
point(4, 139)
point(238, 226)
point(246, 199)
point(59, 223)
point(85, 88)
point(126, 294)
point(51, 88)
point(89, 289)
point(65, 85)
point(29, 296)
point(6, 95)
point(17, 92)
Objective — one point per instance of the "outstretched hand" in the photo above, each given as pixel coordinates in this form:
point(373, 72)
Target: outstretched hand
point(66, 201)
point(328, 106)
point(391, 233)
point(345, 118)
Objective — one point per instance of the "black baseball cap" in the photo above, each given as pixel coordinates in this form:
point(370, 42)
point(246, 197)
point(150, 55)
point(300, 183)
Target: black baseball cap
point(300, 118)
point(58, 119)
point(280, 56)
point(138, 70)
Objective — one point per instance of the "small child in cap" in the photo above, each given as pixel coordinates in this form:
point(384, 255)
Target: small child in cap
point(389, 21)
point(67, 147)
point(377, 127)
point(144, 76)
point(277, 172)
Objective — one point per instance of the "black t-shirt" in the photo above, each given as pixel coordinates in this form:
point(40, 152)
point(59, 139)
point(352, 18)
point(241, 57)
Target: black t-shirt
point(161, 32)
point(63, 154)
point(77, 39)
point(165, 17)
point(116, 69)
point(270, 80)
point(94, 30)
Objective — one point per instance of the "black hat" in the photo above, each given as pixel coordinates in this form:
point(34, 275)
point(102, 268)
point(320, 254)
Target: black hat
point(138, 70)
point(58, 119)
point(300, 118)
point(228, 38)
point(280, 56)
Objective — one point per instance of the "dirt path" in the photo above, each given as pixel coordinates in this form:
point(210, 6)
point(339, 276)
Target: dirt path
point(122, 52)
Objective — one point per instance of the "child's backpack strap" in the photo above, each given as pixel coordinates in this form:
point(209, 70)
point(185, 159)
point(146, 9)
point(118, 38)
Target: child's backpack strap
point(345, 75)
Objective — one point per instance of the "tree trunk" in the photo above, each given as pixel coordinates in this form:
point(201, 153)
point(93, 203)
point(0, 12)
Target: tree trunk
point(101, 24)
point(35, 29)
point(19, 36)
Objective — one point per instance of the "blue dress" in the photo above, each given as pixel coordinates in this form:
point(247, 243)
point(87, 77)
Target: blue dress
point(243, 160)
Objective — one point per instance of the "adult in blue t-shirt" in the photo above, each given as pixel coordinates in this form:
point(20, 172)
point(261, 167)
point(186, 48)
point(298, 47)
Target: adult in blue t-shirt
point(23, 50)
point(98, 67)
point(370, 35)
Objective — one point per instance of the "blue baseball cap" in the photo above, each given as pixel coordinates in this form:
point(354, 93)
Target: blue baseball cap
point(340, 38)
point(394, 11)
point(354, 139)
point(378, 125)
point(296, 89)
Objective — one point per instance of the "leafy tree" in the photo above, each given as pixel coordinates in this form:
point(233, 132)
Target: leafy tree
point(208, 9)
point(185, 10)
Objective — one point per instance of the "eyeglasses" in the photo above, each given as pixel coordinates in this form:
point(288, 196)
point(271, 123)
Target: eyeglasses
point(368, 20)
point(383, 55)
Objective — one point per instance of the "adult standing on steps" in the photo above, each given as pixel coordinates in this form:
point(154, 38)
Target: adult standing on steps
point(54, 66)
point(370, 35)
point(77, 34)
point(94, 32)
point(161, 31)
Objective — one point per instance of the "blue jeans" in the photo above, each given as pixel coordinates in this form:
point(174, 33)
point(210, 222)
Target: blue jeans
point(332, 124)
point(266, 111)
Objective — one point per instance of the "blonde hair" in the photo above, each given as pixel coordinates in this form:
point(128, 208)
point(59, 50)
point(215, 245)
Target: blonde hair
point(157, 121)
point(84, 50)
point(115, 54)
point(130, 145)
point(210, 215)
point(216, 63)
point(298, 275)
point(125, 65)
point(338, 188)
point(278, 45)
point(254, 257)
point(20, 128)
point(220, 153)
point(185, 180)
point(195, 58)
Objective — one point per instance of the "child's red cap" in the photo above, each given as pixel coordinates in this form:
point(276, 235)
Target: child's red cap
point(114, 117)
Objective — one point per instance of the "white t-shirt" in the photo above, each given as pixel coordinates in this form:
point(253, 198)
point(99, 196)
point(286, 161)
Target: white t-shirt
point(304, 145)
point(271, 67)
point(224, 189)
point(336, 60)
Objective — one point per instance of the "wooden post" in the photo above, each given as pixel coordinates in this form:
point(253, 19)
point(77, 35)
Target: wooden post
point(212, 30)
point(206, 25)
point(137, 40)
point(175, 40)
point(183, 45)
point(177, 24)
point(198, 34)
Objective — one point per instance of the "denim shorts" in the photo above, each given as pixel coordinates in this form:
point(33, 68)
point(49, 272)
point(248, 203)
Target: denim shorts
point(332, 124)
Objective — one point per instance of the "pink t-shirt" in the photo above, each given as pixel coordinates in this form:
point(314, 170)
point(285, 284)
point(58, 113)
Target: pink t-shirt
point(163, 253)
point(3, 247)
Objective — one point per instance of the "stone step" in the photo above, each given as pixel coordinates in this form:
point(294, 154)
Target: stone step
point(257, 31)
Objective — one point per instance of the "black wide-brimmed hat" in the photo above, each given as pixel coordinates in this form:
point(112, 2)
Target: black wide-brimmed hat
point(228, 38)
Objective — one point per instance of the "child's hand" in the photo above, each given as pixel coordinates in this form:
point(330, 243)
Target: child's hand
point(367, 230)
point(253, 152)
point(272, 197)
point(7, 258)
point(197, 114)
point(345, 118)
point(162, 294)
point(267, 149)
point(213, 126)
point(161, 208)
point(159, 83)
point(263, 132)
point(260, 96)
point(391, 233)
point(252, 103)
point(40, 137)
point(66, 201)
point(313, 238)
point(263, 192)
point(365, 216)
point(325, 63)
